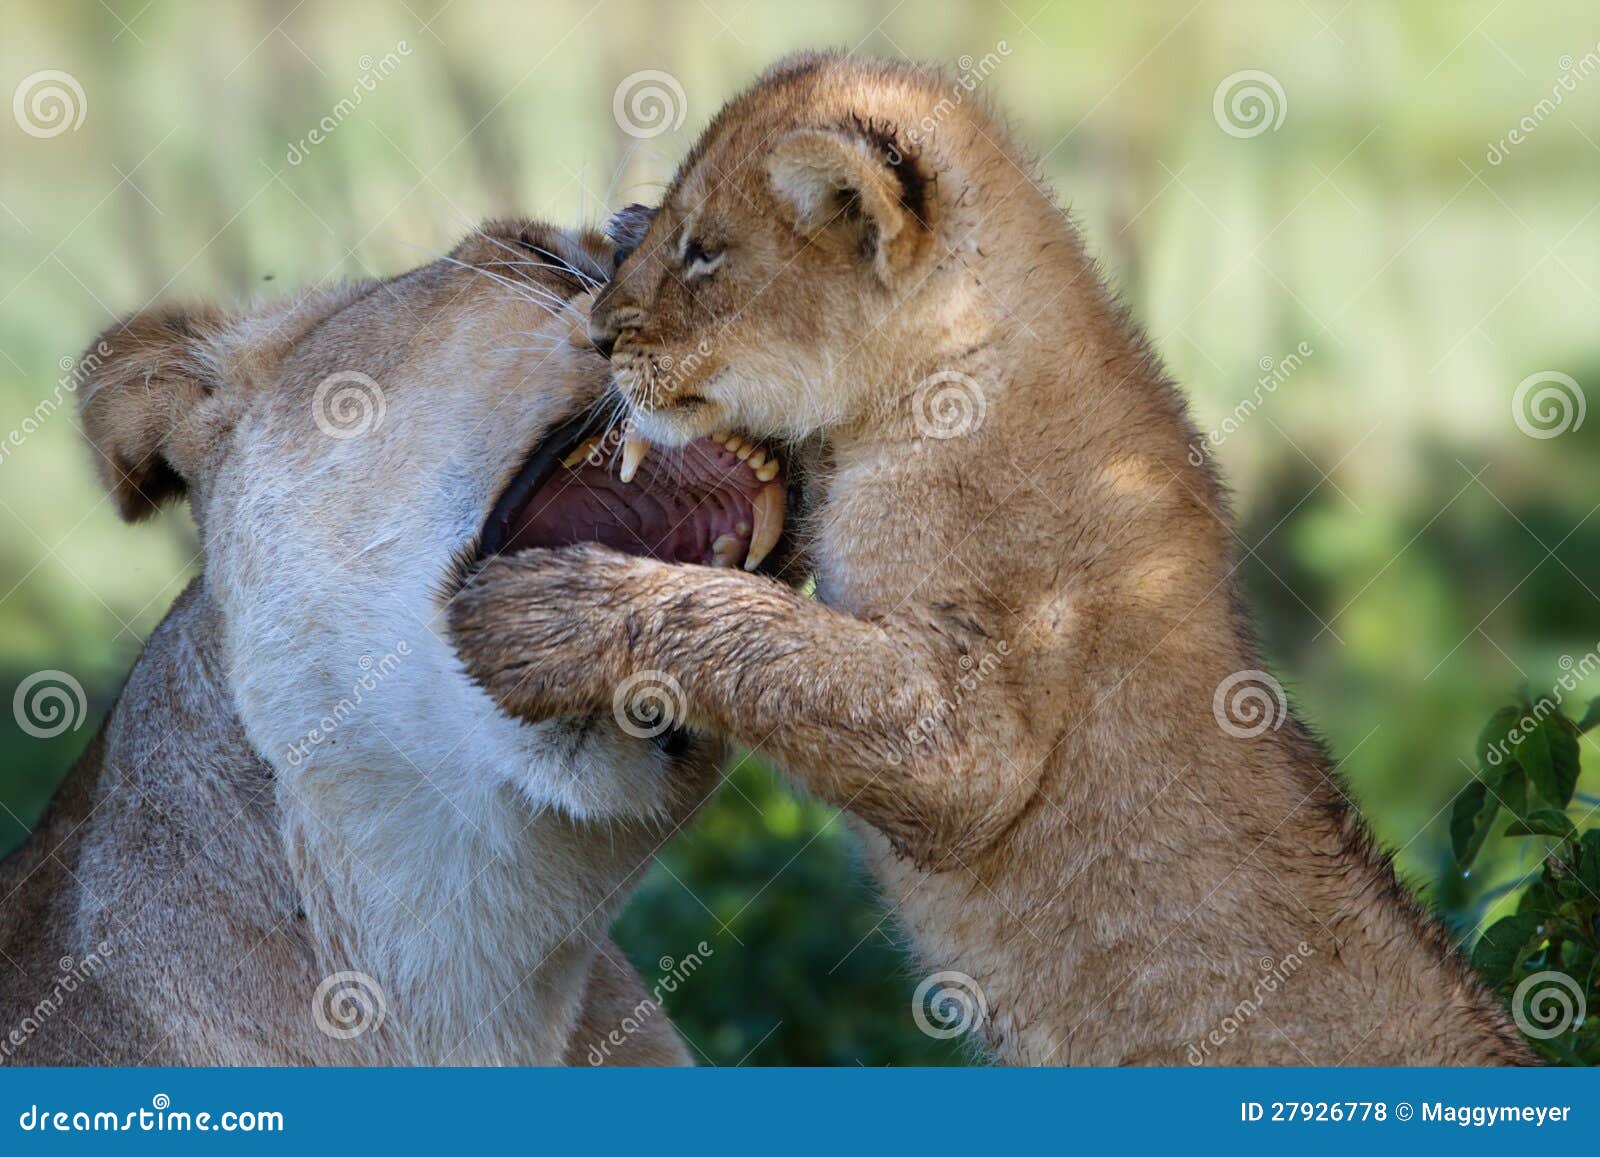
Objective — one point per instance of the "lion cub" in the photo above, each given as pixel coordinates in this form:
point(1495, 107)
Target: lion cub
point(1025, 664)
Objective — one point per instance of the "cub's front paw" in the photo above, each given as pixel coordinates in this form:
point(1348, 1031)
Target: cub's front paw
point(539, 630)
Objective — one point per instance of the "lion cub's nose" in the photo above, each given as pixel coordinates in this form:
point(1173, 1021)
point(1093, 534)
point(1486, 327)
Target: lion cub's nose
point(604, 342)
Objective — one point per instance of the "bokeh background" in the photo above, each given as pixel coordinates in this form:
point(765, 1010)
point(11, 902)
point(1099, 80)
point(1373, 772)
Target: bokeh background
point(1411, 550)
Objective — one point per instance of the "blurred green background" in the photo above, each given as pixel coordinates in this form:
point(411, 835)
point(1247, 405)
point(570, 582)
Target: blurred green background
point(1410, 551)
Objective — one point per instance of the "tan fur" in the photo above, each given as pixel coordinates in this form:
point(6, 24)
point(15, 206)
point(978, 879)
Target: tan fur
point(1020, 629)
point(196, 880)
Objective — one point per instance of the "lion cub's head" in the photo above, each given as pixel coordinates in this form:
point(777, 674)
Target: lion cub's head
point(791, 263)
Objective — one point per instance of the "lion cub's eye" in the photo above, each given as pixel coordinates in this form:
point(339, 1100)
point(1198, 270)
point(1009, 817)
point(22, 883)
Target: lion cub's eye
point(700, 260)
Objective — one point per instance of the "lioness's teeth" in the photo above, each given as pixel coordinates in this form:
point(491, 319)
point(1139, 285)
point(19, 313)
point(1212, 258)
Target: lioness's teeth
point(720, 436)
point(756, 460)
point(633, 452)
point(743, 528)
point(580, 453)
point(733, 442)
point(744, 451)
point(768, 472)
point(725, 551)
point(768, 511)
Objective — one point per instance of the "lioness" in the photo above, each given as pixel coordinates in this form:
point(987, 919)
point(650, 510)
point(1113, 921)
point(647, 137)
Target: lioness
point(305, 836)
point(1026, 645)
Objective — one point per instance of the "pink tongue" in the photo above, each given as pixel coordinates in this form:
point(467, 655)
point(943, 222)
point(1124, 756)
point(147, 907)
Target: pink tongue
point(676, 508)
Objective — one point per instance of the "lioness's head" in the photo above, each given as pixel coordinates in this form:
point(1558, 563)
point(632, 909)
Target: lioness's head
point(782, 272)
point(348, 454)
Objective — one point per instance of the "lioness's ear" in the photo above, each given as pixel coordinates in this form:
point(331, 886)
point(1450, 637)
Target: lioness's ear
point(143, 385)
point(857, 186)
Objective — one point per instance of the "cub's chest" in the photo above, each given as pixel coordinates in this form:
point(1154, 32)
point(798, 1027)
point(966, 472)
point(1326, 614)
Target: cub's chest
point(866, 544)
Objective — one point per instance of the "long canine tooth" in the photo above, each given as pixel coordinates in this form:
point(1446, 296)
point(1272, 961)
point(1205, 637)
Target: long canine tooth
point(768, 472)
point(633, 452)
point(725, 551)
point(768, 510)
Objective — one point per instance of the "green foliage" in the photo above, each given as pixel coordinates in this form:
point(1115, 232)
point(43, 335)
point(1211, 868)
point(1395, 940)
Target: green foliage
point(1528, 766)
point(805, 967)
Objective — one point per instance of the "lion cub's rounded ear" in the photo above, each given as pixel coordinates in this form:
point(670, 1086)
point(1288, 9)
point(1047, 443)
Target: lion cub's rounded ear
point(145, 383)
point(858, 187)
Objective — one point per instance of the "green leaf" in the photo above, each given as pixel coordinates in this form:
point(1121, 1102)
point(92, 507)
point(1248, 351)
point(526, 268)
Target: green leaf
point(1505, 944)
point(1591, 717)
point(1565, 756)
point(1543, 822)
point(1470, 821)
point(1535, 756)
point(1492, 740)
point(1541, 899)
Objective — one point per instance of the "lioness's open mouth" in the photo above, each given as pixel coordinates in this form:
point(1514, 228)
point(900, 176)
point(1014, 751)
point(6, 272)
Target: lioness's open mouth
point(718, 501)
